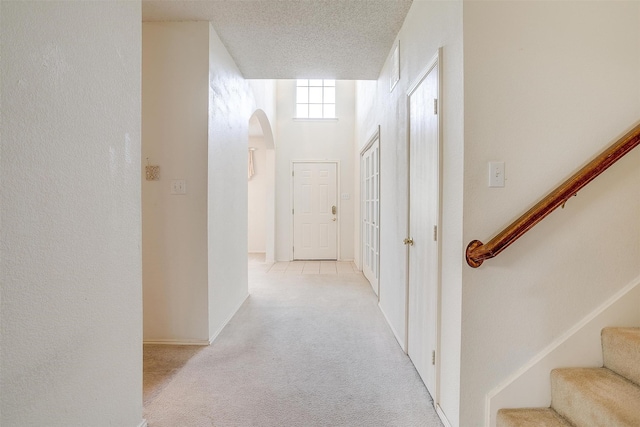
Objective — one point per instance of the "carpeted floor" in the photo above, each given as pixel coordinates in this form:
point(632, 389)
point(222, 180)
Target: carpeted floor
point(306, 349)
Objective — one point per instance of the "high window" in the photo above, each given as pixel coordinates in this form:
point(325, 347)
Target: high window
point(315, 99)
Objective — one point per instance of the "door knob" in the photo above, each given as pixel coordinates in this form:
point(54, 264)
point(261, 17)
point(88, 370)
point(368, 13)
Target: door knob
point(408, 241)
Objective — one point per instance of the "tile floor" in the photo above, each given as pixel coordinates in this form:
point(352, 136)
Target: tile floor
point(304, 267)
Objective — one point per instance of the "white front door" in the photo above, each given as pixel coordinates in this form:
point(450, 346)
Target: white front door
point(370, 233)
point(315, 215)
point(424, 197)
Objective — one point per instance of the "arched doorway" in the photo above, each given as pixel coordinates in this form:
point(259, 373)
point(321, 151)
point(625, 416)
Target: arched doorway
point(261, 190)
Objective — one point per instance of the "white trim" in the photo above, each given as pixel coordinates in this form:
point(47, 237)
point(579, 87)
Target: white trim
point(213, 336)
point(317, 119)
point(198, 342)
point(443, 416)
point(435, 61)
point(375, 135)
point(161, 341)
point(143, 423)
point(554, 346)
point(370, 142)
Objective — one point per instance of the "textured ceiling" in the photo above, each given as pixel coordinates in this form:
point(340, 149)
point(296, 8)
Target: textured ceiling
point(287, 39)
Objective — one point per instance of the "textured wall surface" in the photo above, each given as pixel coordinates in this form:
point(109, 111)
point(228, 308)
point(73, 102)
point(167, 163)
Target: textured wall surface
point(175, 72)
point(230, 107)
point(70, 267)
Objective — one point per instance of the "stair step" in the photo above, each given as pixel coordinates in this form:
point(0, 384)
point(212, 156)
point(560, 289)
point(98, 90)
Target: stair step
point(621, 352)
point(595, 397)
point(530, 417)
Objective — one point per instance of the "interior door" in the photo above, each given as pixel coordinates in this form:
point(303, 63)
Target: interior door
point(424, 197)
point(315, 214)
point(370, 233)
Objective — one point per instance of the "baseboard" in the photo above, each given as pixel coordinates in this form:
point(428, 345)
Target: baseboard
point(395, 333)
point(161, 341)
point(443, 417)
point(227, 320)
point(175, 342)
point(143, 423)
point(580, 346)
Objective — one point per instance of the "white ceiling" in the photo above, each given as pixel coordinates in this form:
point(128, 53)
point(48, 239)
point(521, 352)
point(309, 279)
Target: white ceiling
point(287, 39)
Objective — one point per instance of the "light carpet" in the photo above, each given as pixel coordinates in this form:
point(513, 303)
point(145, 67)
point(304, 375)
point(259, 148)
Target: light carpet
point(303, 350)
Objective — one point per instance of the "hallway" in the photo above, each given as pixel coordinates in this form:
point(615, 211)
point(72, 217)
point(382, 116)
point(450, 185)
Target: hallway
point(309, 347)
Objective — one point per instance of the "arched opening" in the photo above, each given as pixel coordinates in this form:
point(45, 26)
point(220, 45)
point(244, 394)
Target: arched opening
point(261, 187)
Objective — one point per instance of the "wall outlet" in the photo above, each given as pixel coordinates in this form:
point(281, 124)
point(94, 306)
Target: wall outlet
point(178, 186)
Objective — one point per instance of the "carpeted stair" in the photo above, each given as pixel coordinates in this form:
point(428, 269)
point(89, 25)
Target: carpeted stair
point(591, 397)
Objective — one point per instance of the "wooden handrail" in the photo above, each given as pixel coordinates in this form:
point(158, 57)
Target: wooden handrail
point(477, 252)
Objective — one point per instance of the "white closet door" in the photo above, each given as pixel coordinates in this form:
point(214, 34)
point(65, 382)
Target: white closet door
point(424, 199)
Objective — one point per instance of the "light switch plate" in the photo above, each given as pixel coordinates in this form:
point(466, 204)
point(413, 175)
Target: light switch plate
point(496, 174)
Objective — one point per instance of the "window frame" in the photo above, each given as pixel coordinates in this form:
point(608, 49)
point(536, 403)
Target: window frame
point(319, 94)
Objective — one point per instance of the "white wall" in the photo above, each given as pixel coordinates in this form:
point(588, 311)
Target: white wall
point(264, 92)
point(427, 27)
point(315, 140)
point(230, 107)
point(196, 124)
point(175, 73)
point(547, 86)
point(70, 271)
point(257, 198)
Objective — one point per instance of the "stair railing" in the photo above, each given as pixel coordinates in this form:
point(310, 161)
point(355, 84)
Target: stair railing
point(477, 251)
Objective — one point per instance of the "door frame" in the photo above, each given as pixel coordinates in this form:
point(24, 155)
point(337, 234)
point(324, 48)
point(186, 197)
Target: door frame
point(434, 62)
point(291, 202)
point(372, 139)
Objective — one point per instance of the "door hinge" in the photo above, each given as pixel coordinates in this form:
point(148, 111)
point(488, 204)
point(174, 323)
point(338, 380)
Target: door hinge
point(292, 173)
point(433, 357)
point(435, 233)
point(435, 106)
point(292, 212)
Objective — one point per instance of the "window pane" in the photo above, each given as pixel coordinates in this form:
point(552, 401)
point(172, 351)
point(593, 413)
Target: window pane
point(329, 111)
point(315, 95)
point(329, 82)
point(329, 95)
point(303, 82)
point(315, 111)
point(302, 111)
point(302, 95)
point(315, 82)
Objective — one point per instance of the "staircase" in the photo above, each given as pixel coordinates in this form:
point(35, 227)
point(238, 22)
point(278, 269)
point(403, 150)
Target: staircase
point(591, 397)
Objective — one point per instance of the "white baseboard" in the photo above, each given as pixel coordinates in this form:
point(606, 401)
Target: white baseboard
point(143, 423)
point(442, 416)
point(162, 341)
point(580, 346)
point(227, 320)
point(175, 342)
